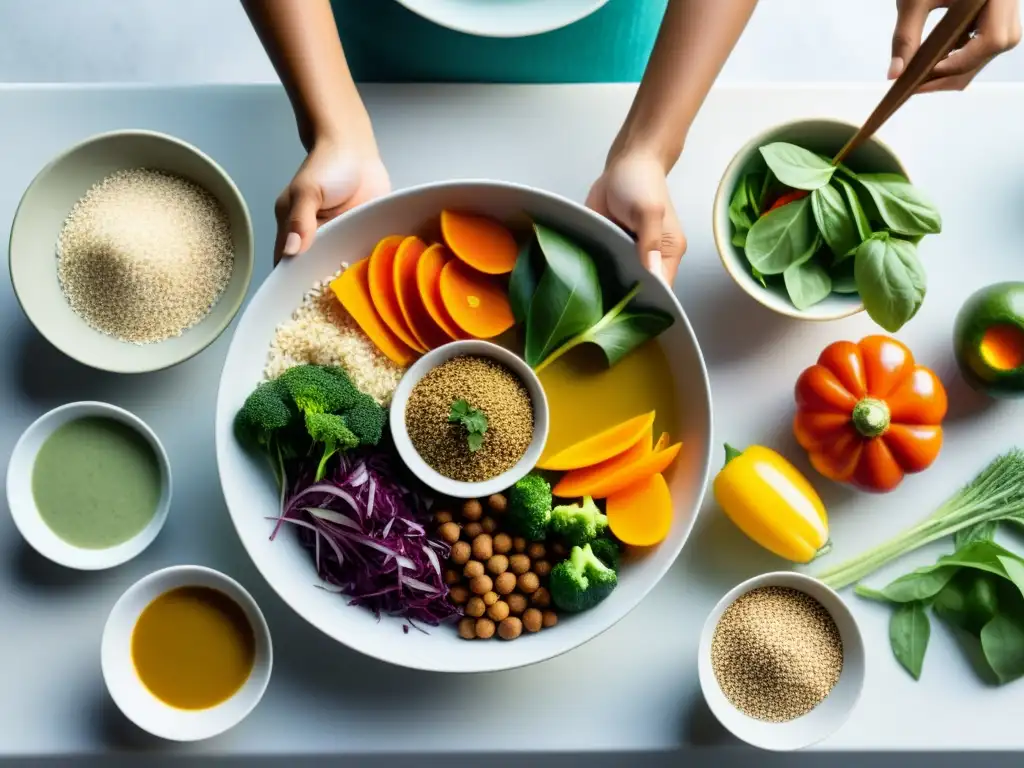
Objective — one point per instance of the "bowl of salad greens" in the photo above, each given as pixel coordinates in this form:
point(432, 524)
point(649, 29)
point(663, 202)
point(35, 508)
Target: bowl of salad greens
point(815, 240)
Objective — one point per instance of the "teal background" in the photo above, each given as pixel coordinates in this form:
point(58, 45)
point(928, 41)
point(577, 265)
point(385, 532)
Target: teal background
point(385, 42)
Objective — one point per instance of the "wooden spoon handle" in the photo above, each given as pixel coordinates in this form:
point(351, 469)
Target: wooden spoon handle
point(946, 36)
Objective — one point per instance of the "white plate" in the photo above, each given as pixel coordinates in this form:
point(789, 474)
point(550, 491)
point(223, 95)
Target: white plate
point(249, 486)
point(503, 18)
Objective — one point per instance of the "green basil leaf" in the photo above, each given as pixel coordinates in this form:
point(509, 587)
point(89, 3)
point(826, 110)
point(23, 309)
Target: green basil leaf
point(860, 217)
point(568, 296)
point(843, 280)
point(523, 282)
point(834, 220)
point(921, 584)
point(739, 238)
point(782, 237)
point(626, 331)
point(807, 283)
point(909, 631)
point(797, 167)
point(900, 205)
point(890, 279)
point(1002, 642)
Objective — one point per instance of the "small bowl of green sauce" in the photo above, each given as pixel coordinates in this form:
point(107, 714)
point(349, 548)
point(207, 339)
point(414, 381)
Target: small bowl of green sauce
point(89, 485)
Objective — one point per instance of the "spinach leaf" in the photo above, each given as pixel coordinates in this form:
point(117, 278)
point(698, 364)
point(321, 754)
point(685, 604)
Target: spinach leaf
point(900, 205)
point(782, 237)
point(985, 531)
point(739, 238)
point(1014, 571)
point(860, 217)
point(754, 183)
point(523, 282)
point(890, 280)
point(807, 283)
point(1002, 642)
point(834, 220)
point(568, 296)
point(758, 276)
point(797, 167)
point(740, 213)
point(969, 601)
point(623, 333)
point(843, 280)
point(909, 631)
point(762, 195)
point(921, 584)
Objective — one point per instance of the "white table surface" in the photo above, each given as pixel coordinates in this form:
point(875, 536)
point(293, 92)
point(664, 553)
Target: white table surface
point(635, 687)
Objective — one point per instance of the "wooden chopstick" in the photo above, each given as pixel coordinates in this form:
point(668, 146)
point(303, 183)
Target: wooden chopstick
point(947, 36)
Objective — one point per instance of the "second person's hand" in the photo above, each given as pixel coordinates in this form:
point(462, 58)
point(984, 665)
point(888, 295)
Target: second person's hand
point(333, 179)
point(633, 193)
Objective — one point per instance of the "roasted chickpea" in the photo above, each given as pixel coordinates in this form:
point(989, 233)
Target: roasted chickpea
point(472, 510)
point(484, 628)
point(519, 544)
point(442, 517)
point(461, 552)
point(532, 620)
point(481, 585)
point(542, 568)
point(451, 576)
point(473, 569)
point(510, 628)
point(502, 543)
point(498, 611)
point(497, 564)
point(467, 628)
point(519, 564)
point(490, 598)
point(536, 550)
point(475, 607)
point(497, 502)
point(471, 530)
point(505, 583)
point(516, 603)
point(489, 524)
point(483, 547)
point(459, 594)
point(550, 619)
point(449, 532)
point(541, 598)
point(528, 583)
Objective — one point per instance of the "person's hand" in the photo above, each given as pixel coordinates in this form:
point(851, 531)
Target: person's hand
point(633, 193)
point(332, 179)
point(996, 31)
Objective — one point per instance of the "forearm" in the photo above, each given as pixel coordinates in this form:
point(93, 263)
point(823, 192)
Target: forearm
point(695, 39)
point(301, 39)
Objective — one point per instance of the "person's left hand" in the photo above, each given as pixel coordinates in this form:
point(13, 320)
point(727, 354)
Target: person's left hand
point(633, 193)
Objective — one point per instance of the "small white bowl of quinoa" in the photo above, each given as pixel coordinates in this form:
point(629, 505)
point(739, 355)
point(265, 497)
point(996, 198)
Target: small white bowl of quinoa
point(131, 251)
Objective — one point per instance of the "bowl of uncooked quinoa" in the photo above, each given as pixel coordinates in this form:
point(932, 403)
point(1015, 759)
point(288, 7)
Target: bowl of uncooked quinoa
point(469, 419)
point(131, 251)
point(781, 661)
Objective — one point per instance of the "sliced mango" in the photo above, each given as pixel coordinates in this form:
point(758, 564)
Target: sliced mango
point(641, 514)
point(604, 486)
point(602, 446)
point(573, 483)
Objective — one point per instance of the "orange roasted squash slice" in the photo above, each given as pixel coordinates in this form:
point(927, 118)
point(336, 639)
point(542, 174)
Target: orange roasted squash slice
point(407, 260)
point(641, 514)
point(587, 476)
point(476, 302)
point(480, 241)
point(428, 281)
point(602, 446)
point(382, 290)
point(604, 486)
point(352, 287)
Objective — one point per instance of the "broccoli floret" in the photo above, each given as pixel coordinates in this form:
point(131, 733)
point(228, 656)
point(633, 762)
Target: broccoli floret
point(330, 430)
point(315, 389)
point(264, 414)
point(582, 581)
point(529, 507)
point(607, 551)
point(366, 419)
point(578, 524)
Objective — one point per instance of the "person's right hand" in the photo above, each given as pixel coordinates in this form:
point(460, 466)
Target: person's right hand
point(332, 179)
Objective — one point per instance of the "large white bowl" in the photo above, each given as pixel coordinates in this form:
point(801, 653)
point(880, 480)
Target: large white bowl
point(503, 18)
point(249, 485)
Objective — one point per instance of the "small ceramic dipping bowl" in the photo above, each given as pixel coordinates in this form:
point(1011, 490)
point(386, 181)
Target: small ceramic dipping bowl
point(825, 137)
point(129, 692)
point(827, 716)
point(21, 499)
point(456, 488)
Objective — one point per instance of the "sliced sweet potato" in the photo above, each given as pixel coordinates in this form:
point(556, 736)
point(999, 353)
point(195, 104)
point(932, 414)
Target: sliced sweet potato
point(428, 281)
point(604, 486)
point(476, 302)
point(407, 259)
point(482, 242)
point(352, 288)
point(382, 290)
point(641, 514)
point(586, 477)
point(602, 446)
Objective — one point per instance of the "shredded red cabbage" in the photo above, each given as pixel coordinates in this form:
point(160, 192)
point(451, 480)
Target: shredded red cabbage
point(368, 536)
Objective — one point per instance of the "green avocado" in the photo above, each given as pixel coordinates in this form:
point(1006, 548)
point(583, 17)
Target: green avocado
point(988, 340)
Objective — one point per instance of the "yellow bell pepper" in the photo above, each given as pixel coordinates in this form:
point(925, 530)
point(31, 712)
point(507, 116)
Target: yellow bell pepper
point(770, 501)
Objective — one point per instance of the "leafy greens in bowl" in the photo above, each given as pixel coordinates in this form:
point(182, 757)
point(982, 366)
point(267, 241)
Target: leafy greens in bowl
point(820, 241)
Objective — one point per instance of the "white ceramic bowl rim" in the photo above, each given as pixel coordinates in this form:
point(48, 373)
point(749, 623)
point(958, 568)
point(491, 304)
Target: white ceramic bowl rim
point(520, 19)
point(22, 504)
